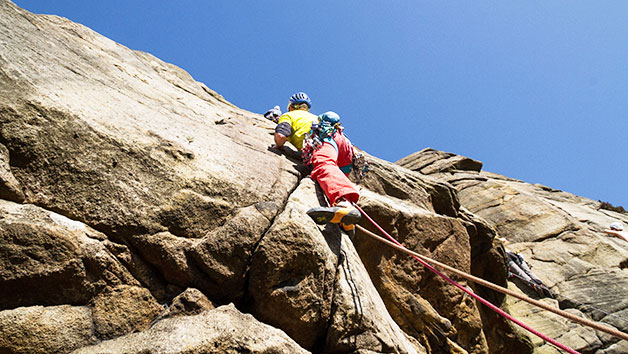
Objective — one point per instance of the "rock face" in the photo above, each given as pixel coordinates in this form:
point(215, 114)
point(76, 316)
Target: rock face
point(560, 236)
point(311, 283)
point(141, 212)
point(223, 330)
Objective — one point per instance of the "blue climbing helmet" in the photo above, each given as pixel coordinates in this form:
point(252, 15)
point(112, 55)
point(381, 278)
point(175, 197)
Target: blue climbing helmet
point(330, 117)
point(326, 126)
point(301, 97)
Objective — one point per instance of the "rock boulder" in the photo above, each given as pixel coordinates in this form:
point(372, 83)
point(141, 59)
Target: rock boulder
point(560, 236)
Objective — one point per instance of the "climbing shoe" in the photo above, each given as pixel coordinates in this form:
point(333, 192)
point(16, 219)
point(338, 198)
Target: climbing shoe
point(344, 214)
point(348, 229)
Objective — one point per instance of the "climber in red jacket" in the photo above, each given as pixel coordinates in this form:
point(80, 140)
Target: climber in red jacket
point(329, 151)
point(331, 154)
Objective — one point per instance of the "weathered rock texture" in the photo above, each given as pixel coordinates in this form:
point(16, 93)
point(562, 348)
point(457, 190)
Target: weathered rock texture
point(141, 212)
point(222, 330)
point(560, 235)
point(311, 283)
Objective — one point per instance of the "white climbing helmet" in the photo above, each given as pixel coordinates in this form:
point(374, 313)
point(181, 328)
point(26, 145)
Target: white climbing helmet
point(617, 226)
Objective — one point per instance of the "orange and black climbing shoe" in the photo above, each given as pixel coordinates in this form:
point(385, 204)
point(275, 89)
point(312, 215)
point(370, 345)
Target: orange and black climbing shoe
point(335, 215)
point(349, 230)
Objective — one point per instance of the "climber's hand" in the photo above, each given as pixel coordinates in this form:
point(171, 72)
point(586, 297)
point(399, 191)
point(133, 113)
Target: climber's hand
point(277, 150)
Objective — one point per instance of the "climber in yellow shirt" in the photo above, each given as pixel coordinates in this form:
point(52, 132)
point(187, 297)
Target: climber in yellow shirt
point(326, 160)
point(293, 125)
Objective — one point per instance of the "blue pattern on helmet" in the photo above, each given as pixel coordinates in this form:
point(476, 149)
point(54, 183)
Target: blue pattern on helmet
point(301, 97)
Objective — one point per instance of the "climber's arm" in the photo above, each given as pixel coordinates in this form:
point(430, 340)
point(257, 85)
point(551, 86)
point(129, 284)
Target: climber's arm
point(282, 132)
point(617, 234)
point(280, 140)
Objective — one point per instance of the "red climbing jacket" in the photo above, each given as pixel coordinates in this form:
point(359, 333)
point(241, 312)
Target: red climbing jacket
point(331, 166)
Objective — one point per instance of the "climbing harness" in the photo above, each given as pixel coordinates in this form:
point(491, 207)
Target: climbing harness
point(322, 132)
point(424, 261)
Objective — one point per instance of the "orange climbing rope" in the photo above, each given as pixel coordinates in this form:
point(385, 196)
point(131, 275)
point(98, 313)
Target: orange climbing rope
point(500, 289)
point(416, 256)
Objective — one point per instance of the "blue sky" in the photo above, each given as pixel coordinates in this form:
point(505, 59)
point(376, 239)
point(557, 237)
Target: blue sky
point(537, 90)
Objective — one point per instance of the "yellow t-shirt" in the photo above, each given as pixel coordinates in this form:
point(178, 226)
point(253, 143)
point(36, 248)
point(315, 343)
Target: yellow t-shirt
point(301, 122)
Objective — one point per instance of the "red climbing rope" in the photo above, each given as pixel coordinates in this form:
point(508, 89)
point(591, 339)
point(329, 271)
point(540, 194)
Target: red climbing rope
point(475, 296)
point(480, 281)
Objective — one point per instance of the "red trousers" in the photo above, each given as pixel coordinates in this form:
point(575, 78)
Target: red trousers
point(326, 171)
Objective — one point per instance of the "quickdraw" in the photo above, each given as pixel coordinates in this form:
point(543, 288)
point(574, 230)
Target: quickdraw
point(322, 131)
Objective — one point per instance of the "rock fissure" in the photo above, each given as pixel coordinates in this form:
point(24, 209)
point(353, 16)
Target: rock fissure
point(145, 273)
point(272, 220)
point(216, 96)
point(334, 304)
point(477, 178)
point(556, 235)
point(492, 204)
point(612, 315)
point(256, 245)
point(194, 93)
